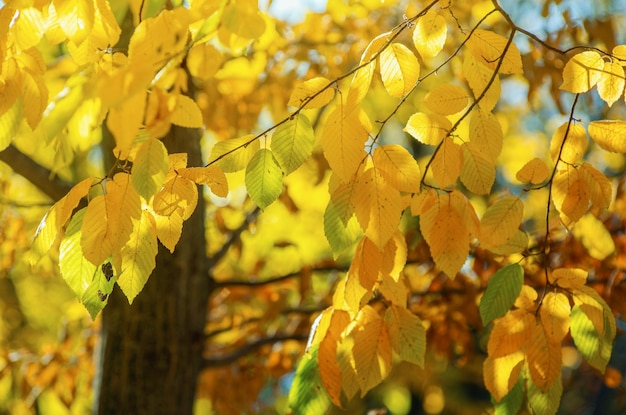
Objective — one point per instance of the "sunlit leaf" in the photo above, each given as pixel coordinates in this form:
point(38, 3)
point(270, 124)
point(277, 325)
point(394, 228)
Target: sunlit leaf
point(554, 313)
point(485, 133)
point(447, 99)
point(343, 142)
point(572, 148)
point(243, 19)
point(429, 35)
point(511, 403)
point(76, 270)
point(478, 173)
point(600, 188)
point(536, 171)
point(502, 290)
point(124, 121)
point(314, 93)
point(488, 47)
point(9, 123)
point(594, 236)
point(211, 176)
point(447, 163)
point(234, 154)
point(483, 81)
point(546, 402)
point(582, 71)
point(203, 61)
point(177, 194)
point(399, 69)
point(398, 167)
point(428, 128)
point(609, 135)
point(568, 278)
point(186, 113)
point(611, 83)
point(149, 168)
point(510, 333)
point(292, 142)
point(501, 373)
point(407, 335)
point(264, 178)
point(307, 396)
point(169, 229)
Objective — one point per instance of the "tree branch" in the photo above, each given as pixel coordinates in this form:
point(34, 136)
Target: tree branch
point(252, 284)
point(250, 347)
point(52, 186)
point(234, 237)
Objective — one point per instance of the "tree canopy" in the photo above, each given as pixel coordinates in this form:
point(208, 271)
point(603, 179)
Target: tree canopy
point(386, 191)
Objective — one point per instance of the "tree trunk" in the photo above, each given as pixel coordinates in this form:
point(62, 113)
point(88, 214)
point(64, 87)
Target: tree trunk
point(151, 351)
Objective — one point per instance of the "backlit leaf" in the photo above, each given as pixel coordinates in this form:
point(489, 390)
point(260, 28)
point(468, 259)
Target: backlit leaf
point(372, 359)
point(536, 171)
point(568, 278)
point(329, 369)
point(501, 221)
point(343, 142)
point(594, 236)
point(484, 83)
point(485, 133)
point(9, 123)
point(611, 83)
point(399, 69)
point(76, 18)
point(600, 188)
point(138, 256)
point(447, 163)
point(428, 128)
point(554, 313)
point(587, 340)
point(264, 178)
point(186, 113)
point(366, 264)
point(398, 167)
point(178, 194)
point(76, 270)
point(510, 333)
point(571, 148)
point(447, 99)
point(544, 403)
point(98, 237)
point(234, 154)
point(582, 72)
point(124, 121)
point(502, 290)
point(340, 234)
point(478, 173)
point(543, 359)
point(429, 35)
point(407, 335)
point(512, 402)
point(150, 167)
point(502, 373)
point(169, 229)
point(292, 142)
point(211, 176)
point(313, 93)
point(609, 135)
point(378, 206)
point(362, 79)
point(571, 194)
point(307, 395)
point(243, 19)
point(488, 48)
point(203, 61)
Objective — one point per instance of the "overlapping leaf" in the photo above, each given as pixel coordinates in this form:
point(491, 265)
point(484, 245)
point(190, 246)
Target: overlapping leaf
point(429, 35)
point(292, 142)
point(446, 99)
point(502, 290)
point(398, 167)
point(399, 69)
point(447, 163)
point(582, 72)
point(428, 128)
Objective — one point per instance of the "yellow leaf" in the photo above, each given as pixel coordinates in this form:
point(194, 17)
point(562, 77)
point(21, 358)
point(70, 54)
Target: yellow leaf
point(479, 171)
point(571, 194)
point(501, 373)
point(526, 299)
point(611, 83)
point(395, 292)
point(554, 313)
point(572, 148)
point(600, 188)
point(203, 61)
point(366, 263)
point(393, 258)
point(582, 72)
point(516, 244)
point(234, 154)
point(429, 35)
point(138, 256)
point(212, 176)
point(484, 83)
point(34, 97)
point(619, 52)
point(447, 163)
point(568, 278)
point(76, 18)
point(343, 142)
point(330, 372)
point(447, 99)
point(488, 48)
point(377, 205)
point(594, 236)
point(98, 237)
point(609, 135)
point(428, 128)
point(544, 359)
point(406, 334)
point(510, 333)
point(28, 28)
point(243, 19)
point(124, 121)
point(169, 229)
point(123, 206)
point(485, 134)
point(501, 221)
point(314, 93)
point(178, 194)
point(399, 69)
point(423, 201)
point(447, 235)
point(362, 78)
point(398, 167)
point(372, 359)
point(150, 167)
point(186, 113)
point(536, 171)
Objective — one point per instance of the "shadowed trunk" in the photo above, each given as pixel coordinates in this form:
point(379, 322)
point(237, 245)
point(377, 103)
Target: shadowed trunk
point(151, 351)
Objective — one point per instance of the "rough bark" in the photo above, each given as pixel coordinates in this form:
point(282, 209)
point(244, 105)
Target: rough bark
point(151, 351)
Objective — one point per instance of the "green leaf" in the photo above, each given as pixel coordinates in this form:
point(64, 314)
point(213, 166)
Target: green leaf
point(595, 350)
point(502, 290)
point(512, 402)
point(138, 256)
point(9, 123)
point(150, 168)
point(407, 334)
point(264, 178)
point(292, 142)
point(544, 403)
point(307, 395)
point(76, 270)
point(340, 234)
point(97, 294)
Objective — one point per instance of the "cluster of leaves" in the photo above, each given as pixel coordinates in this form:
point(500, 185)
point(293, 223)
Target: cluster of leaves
point(105, 231)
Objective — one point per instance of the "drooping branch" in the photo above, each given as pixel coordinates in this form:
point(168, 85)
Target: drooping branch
point(52, 186)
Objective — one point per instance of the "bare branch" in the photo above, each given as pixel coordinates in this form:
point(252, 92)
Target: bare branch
point(253, 283)
point(52, 186)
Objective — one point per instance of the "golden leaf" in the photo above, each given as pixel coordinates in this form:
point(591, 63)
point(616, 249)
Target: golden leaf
point(398, 167)
point(343, 142)
point(510, 333)
point(600, 188)
point(98, 237)
point(485, 134)
point(177, 194)
point(314, 93)
point(501, 373)
point(428, 128)
point(611, 83)
point(582, 72)
point(543, 358)
point(429, 35)
point(212, 176)
point(572, 148)
point(594, 236)
point(554, 313)
point(488, 48)
point(203, 61)
point(568, 278)
point(169, 229)
point(406, 334)
point(536, 171)
point(124, 121)
point(446, 99)
point(484, 83)
point(527, 299)
point(186, 113)
point(399, 69)
point(571, 194)
point(609, 135)
point(362, 78)
point(501, 221)
point(366, 263)
point(447, 163)
point(479, 171)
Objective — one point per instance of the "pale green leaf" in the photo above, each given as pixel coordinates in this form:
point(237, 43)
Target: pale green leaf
point(512, 402)
point(307, 395)
point(292, 142)
point(502, 289)
point(407, 334)
point(75, 269)
point(544, 403)
point(264, 178)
